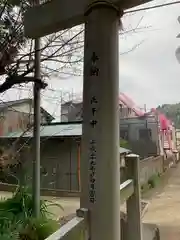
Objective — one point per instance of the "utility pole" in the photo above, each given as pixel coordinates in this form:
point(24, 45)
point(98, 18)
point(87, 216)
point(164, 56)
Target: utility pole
point(36, 130)
point(145, 108)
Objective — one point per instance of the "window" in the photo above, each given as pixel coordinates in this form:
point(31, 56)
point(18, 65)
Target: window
point(120, 107)
point(171, 134)
point(20, 122)
point(124, 134)
point(31, 118)
point(10, 129)
point(145, 134)
point(26, 120)
point(1, 126)
point(2, 115)
point(129, 111)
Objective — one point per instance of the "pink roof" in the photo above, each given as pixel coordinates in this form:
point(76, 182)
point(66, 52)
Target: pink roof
point(164, 122)
point(130, 104)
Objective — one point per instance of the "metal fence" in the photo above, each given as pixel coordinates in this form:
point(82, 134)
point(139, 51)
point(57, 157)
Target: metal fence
point(77, 228)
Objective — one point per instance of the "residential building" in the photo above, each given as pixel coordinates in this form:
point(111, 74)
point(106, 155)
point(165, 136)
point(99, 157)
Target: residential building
point(60, 155)
point(145, 132)
point(149, 134)
point(61, 150)
point(18, 116)
point(72, 110)
point(127, 107)
point(141, 134)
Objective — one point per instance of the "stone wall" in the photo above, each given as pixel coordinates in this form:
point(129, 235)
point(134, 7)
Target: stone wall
point(59, 164)
point(148, 167)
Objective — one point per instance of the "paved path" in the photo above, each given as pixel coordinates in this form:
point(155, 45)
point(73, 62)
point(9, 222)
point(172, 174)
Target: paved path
point(164, 208)
point(69, 205)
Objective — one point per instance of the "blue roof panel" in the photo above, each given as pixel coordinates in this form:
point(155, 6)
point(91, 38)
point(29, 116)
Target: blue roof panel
point(59, 130)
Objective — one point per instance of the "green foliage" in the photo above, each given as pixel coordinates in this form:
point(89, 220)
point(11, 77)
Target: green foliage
point(153, 180)
point(17, 221)
point(124, 143)
point(145, 188)
point(172, 111)
point(11, 33)
point(38, 229)
point(152, 183)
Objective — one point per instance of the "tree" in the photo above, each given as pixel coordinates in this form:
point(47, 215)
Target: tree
point(61, 53)
point(11, 35)
point(172, 111)
point(58, 48)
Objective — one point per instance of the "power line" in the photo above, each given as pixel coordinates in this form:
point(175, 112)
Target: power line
point(62, 96)
point(152, 7)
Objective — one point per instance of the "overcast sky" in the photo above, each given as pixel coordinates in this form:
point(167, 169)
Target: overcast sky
point(150, 74)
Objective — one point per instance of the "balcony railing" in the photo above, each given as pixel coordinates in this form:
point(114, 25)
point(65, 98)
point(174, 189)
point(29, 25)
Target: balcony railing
point(77, 228)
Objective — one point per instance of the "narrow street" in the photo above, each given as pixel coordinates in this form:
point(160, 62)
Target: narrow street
point(164, 207)
point(163, 210)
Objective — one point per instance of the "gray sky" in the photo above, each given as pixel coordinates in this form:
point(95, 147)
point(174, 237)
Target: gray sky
point(150, 74)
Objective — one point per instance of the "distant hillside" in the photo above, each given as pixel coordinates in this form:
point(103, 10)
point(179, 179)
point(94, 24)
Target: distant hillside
point(172, 111)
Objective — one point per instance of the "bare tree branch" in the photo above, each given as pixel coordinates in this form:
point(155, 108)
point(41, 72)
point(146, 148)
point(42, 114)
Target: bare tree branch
point(62, 52)
point(19, 80)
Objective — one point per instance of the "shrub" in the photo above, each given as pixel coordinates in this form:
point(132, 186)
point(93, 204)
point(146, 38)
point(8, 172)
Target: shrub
point(153, 180)
point(16, 218)
point(144, 188)
point(38, 229)
point(124, 143)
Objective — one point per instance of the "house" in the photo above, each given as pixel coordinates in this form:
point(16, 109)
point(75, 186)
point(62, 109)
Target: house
point(61, 151)
point(166, 132)
point(72, 110)
point(60, 155)
point(178, 138)
point(141, 134)
point(149, 134)
point(18, 115)
point(127, 107)
point(144, 131)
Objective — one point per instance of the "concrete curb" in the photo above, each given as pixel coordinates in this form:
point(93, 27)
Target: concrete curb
point(144, 208)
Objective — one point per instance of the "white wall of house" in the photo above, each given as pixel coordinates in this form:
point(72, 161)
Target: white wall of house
point(17, 118)
point(27, 108)
point(125, 112)
point(135, 125)
point(23, 107)
point(174, 138)
point(73, 112)
point(142, 135)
